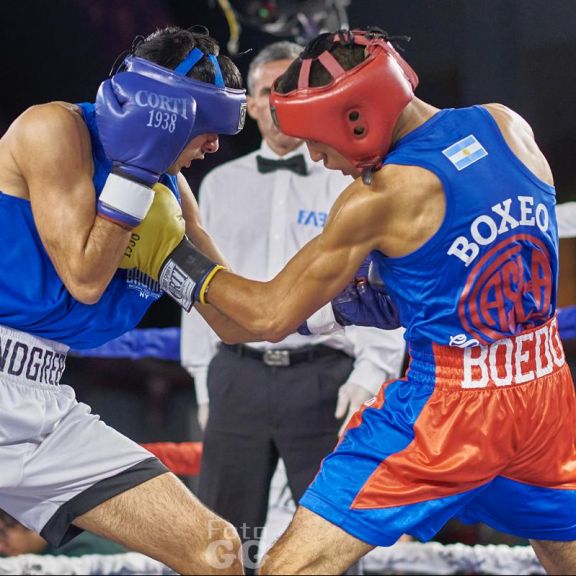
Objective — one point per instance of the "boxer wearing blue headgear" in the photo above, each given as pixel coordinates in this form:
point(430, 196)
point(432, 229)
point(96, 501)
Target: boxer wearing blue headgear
point(74, 181)
point(146, 115)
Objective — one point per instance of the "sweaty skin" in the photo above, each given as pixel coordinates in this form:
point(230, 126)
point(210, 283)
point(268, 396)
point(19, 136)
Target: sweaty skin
point(400, 211)
point(45, 158)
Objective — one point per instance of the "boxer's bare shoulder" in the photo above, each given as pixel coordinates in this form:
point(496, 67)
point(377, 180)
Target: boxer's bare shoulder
point(51, 136)
point(520, 138)
point(400, 211)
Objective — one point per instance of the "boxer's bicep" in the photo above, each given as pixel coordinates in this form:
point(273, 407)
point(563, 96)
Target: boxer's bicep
point(58, 175)
point(54, 156)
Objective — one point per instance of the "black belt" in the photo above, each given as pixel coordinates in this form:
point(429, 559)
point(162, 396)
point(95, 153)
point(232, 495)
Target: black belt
point(281, 357)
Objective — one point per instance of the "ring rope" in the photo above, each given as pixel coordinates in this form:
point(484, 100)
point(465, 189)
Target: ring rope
point(404, 557)
point(164, 343)
point(436, 558)
point(128, 563)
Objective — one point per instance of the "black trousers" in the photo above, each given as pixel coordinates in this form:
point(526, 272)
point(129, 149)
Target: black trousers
point(259, 414)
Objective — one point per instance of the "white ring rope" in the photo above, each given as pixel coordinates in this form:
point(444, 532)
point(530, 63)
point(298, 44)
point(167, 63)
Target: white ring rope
point(128, 563)
point(411, 557)
point(436, 558)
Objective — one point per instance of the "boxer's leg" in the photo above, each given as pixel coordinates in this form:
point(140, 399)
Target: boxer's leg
point(312, 545)
point(556, 557)
point(164, 520)
point(82, 474)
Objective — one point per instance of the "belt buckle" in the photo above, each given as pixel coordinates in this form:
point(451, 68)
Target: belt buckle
point(276, 357)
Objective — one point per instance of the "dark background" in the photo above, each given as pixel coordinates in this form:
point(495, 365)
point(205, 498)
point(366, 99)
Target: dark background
point(521, 53)
point(518, 52)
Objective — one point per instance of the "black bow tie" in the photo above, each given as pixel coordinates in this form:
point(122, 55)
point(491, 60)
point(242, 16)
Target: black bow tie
point(295, 163)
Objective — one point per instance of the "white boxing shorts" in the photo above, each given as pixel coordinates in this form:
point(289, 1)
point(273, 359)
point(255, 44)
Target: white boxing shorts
point(57, 460)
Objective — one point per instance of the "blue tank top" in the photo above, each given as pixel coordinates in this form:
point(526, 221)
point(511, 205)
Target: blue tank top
point(33, 299)
point(491, 269)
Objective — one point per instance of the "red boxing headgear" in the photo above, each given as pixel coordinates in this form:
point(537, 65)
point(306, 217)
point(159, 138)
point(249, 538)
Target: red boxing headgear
point(356, 112)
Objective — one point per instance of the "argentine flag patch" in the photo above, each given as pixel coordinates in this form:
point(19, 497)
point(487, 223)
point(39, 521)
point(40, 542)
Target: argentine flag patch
point(465, 152)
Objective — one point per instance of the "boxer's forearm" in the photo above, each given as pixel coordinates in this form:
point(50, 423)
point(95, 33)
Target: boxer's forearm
point(265, 311)
point(246, 304)
point(226, 329)
point(273, 310)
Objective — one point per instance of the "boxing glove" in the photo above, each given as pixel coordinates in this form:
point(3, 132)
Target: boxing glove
point(143, 125)
point(363, 302)
point(159, 248)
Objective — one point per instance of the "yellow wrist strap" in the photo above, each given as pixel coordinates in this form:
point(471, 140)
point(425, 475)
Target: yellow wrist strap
point(206, 283)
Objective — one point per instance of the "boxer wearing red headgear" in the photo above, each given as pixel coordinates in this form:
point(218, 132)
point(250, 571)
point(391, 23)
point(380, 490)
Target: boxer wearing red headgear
point(459, 220)
point(357, 112)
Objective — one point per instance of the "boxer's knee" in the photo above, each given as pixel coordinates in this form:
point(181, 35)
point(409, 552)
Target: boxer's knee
point(214, 549)
point(220, 548)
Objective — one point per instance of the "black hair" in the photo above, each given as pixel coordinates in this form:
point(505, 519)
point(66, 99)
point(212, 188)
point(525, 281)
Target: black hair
point(348, 54)
point(169, 46)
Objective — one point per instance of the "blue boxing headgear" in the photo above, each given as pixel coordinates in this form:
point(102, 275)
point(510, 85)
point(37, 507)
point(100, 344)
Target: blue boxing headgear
point(216, 109)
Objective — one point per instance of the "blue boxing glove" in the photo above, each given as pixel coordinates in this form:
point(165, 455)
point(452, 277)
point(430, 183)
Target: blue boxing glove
point(363, 302)
point(144, 125)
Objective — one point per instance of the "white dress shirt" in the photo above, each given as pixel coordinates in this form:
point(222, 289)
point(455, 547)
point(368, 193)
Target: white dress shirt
point(566, 218)
point(259, 221)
